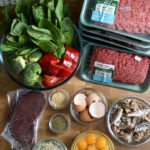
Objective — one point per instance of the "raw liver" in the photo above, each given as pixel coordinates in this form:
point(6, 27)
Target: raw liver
point(24, 116)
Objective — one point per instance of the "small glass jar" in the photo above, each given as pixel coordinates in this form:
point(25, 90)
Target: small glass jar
point(51, 101)
point(65, 117)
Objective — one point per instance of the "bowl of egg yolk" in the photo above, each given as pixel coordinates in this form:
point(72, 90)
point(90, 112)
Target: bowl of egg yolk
point(92, 140)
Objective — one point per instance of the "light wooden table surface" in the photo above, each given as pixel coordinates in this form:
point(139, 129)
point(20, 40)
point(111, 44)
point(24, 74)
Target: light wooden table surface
point(75, 84)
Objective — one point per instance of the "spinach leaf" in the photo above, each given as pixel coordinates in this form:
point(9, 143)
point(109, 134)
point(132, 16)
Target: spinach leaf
point(67, 11)
point(38, 13)
point(59, 10)
point(23, 51)
point(50, 10)
point(60, 50)
point(12, 40)
point(17, 27)
point(50, 5)
point(22, 17)
point(56, 33)
point(24, 40)
point(7, 11)
point(7, 47)
point(8, 16)
point(23, 6)
point(46, 46)
point(43, 2)
point(39, 34)
point(68, 30)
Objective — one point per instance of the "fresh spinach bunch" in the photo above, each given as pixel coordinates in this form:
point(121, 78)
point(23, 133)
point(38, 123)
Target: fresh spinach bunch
point(43, 24)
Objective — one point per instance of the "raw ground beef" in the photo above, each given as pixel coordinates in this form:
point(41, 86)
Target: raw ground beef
point(127, 68)
point(132, 16)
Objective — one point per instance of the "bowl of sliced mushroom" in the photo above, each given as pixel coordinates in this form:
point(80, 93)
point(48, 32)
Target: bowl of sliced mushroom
point(128, 121)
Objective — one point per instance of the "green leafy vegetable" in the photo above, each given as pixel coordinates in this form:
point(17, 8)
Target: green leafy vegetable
point(50, 10)
point(57, 34)
point(39, 34)
point(7, 47)
point(24, 51)
point(67, 11)
point(60, 50)
point(24, 40)
point(22, 17)
point(46, 46)
point(6, 22)
point(59, 10)
point(12, 40)
point(17, 27)
point(68, 30)
point(23, 6)
point(38, 13)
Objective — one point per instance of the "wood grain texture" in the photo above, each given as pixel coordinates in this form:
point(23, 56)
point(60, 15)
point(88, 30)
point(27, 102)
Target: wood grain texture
point(75, 84)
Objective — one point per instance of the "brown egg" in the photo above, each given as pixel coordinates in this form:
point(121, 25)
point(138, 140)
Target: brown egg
point(85, 116)
point(93, 97)
point(79, 102)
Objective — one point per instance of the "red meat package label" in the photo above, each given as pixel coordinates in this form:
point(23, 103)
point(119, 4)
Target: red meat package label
point(105, 11)
point(103, 72)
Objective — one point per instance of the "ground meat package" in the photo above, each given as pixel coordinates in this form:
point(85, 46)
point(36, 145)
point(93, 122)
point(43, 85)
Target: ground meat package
point(107, 65)
point(25, 110)
point(114, 66)
point(98, 38)
point(115, 39)
point(126, 17)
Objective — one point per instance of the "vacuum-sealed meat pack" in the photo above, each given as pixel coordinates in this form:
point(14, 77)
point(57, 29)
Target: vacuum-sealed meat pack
point(25, 110)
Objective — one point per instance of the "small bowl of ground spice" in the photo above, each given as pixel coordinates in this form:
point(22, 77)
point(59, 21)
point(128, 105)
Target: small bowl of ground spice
point(59, 123)
point(59, 99)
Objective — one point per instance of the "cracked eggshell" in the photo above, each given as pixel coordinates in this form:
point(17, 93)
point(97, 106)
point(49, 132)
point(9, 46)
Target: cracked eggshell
point(97, 110)
point(79, 102)
point(85, 116)
point(93, 97)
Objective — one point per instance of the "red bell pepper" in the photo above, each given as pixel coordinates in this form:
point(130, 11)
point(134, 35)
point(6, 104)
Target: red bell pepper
point(50, 64)
point(72, 53)
point(65, 72)
point(51, 80)
point(70, 58)
point(56, 69)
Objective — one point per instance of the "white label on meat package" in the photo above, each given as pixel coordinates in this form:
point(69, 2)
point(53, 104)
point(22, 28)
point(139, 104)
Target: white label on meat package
point(138, 58)
point(104, 66)
point(106, 8)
